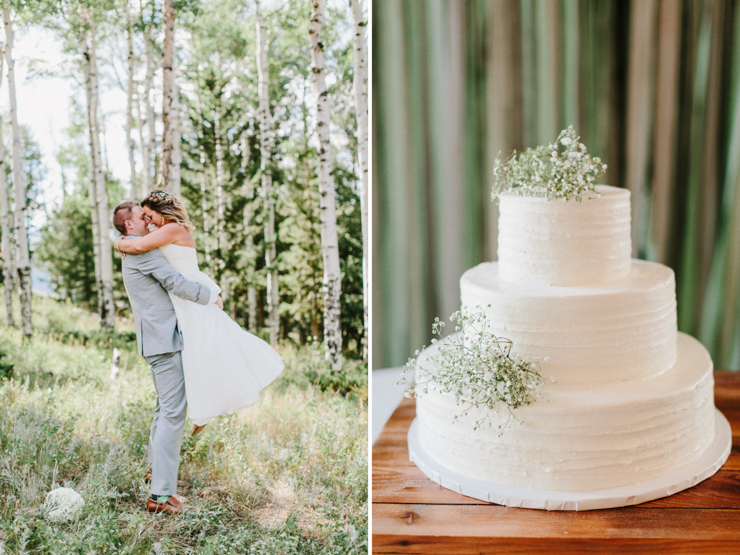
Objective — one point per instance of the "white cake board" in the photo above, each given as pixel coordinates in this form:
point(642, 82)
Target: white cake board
point(702, 468)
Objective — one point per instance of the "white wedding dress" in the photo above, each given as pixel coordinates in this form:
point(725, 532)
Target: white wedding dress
point(225, 366)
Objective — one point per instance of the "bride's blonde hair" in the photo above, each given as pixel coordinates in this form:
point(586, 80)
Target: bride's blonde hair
point(169, 206)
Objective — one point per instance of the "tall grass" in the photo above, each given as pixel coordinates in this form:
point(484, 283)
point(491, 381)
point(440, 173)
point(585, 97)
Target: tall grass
point(288, 475)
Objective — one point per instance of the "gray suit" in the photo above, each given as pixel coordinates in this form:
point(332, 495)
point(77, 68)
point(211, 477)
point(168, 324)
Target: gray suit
point(147, 278)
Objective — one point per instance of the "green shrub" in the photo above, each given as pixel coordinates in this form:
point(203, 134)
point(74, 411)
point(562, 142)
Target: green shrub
point(306, 367)
point(99, 338)
point(6, 366)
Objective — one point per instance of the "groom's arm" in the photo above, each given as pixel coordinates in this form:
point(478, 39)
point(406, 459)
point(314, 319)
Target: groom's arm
point(153, 263)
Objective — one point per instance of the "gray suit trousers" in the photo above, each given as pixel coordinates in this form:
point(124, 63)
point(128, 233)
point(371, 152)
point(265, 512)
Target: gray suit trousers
point(168, 423)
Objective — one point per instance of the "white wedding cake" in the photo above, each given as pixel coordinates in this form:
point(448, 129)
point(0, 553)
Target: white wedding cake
point(627, 398)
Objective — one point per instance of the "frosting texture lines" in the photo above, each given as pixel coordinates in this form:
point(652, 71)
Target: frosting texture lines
point(620, 331)
point(584, 440)
point(565, 243)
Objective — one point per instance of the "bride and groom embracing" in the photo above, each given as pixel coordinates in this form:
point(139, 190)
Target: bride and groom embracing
point(201, 360)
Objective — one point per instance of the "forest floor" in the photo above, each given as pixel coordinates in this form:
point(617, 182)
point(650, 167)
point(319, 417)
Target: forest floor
point(288, 475)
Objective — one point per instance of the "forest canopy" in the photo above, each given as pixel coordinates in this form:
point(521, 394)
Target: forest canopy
point(237, 142)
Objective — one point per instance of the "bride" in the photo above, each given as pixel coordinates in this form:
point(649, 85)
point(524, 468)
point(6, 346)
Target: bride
point(225, 367)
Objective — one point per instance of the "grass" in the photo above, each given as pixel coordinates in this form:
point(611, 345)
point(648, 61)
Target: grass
point(286, 476)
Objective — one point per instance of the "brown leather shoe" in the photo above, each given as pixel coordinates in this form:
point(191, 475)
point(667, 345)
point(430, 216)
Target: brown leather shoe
point(197, 429)
point(172, 506)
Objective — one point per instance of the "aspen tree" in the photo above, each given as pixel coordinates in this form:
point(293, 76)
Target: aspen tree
point(92, 190)
point(219, 226)
point(176, 159)
point(332, 282)
point(24, 260)
point(248, 193)
point(130, 104)
point(170, 182)
point(100, 199)
point(7, 249)
point(203, 159)
point(144, 181)
point(149, 146)
point(360, 90)
point(5, 217)
point(266, 145)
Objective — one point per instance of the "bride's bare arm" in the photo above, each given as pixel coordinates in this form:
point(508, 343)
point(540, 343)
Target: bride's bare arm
point(165, 235)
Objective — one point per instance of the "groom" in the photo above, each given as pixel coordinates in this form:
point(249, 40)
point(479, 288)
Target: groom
point(148, 277)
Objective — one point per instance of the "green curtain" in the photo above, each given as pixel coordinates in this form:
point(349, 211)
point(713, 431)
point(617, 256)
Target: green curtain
point(652, 87)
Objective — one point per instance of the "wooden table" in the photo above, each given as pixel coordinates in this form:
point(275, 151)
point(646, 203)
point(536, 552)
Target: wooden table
point(412, 514)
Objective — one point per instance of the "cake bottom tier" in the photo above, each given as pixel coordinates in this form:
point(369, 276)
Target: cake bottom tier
point(582, 440)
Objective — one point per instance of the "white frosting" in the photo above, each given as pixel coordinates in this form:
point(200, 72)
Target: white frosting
point(632, 400)
point(562, 242)
point(609, 436)
point(623, 329)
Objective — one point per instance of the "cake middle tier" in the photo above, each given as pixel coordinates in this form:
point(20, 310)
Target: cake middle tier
point(621, 330)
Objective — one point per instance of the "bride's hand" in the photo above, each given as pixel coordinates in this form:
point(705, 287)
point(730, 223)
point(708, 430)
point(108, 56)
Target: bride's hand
point(220, 302)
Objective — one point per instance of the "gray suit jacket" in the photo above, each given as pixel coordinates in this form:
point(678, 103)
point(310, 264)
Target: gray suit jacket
point(147, 278)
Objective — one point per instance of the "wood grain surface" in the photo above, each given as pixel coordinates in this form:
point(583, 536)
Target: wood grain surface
point(412, 514)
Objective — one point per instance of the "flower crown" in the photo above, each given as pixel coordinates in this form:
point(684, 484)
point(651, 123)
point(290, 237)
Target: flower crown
point(163, 197)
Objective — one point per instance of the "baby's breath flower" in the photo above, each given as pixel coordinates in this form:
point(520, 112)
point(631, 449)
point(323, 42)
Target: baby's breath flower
point(560, 170)
point(478, 369)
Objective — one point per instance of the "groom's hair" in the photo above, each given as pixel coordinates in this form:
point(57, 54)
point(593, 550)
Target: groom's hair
point(121, 214)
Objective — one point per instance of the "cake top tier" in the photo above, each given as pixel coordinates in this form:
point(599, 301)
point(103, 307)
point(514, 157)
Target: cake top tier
point(567, 243)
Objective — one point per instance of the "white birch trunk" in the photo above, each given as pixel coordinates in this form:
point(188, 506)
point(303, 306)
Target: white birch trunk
point(266, 143)
point(5, 226)
point(332, 284)
point(92, 190)
point(7, 249)
point(169, 114)
point(114, 369)
point(360, 86)
point(221, 246)
point(315, 302)
point(24, 261)
point(248, 193)
point(175, 128)
point(204, 203)
point(107, 313)
point(149, 147)
point(140, 125)
point(204, 207)
point(203, 183)
point(130, 105)
point(252, 303)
